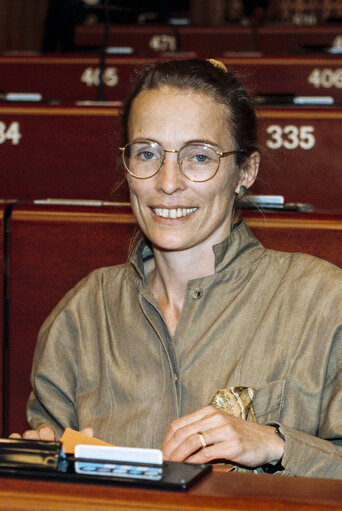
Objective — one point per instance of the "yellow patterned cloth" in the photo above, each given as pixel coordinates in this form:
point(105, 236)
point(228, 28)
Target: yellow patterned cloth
point(237, 401)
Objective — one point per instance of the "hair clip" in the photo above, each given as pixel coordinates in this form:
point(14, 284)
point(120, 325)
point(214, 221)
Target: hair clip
point(219, 64)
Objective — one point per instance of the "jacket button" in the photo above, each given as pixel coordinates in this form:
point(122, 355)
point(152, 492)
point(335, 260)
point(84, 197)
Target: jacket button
point(197, 294)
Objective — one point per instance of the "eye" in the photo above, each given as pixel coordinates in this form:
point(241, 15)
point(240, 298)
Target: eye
point(146, 155)
point(144, 152)
point(200, 158)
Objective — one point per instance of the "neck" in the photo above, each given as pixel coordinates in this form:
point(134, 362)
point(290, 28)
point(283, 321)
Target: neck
point(168, 274)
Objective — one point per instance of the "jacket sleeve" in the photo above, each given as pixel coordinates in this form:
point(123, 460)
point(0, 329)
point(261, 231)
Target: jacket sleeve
point(320, 455)
point(54, 374)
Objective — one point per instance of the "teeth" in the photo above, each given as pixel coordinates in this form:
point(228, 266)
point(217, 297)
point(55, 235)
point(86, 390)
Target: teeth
point(174, 213)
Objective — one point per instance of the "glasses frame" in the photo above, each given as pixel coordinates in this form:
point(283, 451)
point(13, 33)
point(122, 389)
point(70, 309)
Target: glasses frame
point(220, 154)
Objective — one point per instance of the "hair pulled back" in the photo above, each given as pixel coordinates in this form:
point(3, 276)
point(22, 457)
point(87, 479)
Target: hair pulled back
point(202, 76)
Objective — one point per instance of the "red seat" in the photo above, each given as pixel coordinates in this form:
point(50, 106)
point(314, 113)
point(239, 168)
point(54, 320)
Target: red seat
point(52, 248)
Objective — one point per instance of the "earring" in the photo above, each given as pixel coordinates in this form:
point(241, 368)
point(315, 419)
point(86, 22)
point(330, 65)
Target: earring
point(241, 191)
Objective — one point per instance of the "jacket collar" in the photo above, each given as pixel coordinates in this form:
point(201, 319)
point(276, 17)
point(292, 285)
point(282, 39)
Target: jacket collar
point(239, 249)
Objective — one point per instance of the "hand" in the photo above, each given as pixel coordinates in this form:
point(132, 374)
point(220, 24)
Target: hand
point(46, 432)
point(233, 439)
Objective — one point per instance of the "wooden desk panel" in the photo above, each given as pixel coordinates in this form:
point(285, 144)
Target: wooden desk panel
point(302, 155)
point(47, 76)
point(56, 151)
point(71, 152)
point(52, 248)
point(292, 38)
point(314, 76)
point(318, 233)
point(227, 491)
point(2, 302)
point(292, 75)
point(149, 40)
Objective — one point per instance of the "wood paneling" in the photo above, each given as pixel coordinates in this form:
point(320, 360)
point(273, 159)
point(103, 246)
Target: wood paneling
point(72, 152)
point(229, 491)
point(21, 24)
point(276, 75)
point(52, 248)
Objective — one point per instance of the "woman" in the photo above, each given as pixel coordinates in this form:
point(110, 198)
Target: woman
point(137, 352)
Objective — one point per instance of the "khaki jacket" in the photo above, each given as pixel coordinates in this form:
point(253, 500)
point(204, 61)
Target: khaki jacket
point(264, 319)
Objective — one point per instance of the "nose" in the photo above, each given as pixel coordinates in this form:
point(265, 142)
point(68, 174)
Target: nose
point(170, 177)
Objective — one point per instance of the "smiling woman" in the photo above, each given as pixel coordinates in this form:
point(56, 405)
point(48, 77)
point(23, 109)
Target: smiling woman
point(204, 343)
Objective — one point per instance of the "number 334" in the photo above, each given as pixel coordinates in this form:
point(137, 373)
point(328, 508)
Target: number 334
point(290, 137)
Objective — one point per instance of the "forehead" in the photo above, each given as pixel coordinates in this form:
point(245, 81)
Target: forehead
point(173, 113)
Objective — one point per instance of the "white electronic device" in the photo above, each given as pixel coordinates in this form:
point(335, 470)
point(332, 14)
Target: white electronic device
point(126, 462)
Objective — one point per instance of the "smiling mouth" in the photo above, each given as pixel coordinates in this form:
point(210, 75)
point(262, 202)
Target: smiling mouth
point(173, 213)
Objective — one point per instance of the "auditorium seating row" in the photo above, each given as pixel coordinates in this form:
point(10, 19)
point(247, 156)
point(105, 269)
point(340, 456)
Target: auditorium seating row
point(208, 41)
point(48, 248)
point(319, 75)
point(72, 151)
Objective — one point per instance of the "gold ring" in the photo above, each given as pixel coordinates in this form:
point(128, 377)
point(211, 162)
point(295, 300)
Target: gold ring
point(203, 442)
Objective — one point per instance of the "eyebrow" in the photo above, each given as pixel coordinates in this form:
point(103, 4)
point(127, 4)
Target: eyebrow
point(192, 141)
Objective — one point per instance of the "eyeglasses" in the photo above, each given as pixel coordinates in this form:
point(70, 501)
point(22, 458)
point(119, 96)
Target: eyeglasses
point(197, 161)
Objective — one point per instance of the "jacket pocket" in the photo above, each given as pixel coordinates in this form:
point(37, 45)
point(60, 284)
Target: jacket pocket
point(268, 401)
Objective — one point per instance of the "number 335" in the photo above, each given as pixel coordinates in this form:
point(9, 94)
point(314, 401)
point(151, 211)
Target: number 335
point(290, 137)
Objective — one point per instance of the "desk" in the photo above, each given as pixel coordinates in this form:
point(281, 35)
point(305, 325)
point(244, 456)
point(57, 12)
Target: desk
point(149, 40)
point(208, 41)
point(318, 233)
point(2, 300)
point(71, 152)
point(297, 75)
point(217, 491)
point(292, 38)
point(52, 248)
point(262, 74)
point(46, 74)
point(60, 151)
point(302, 154)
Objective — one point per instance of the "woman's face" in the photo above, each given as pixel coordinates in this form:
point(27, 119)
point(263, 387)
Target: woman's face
point(172, 118)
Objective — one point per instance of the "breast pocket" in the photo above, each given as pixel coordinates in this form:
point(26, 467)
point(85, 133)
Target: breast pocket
point(268, 401)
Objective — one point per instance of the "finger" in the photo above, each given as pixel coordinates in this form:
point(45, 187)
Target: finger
point(205, 455)
point(186, 420)
point(31, 434)
point(14, 435)
point(180, 452)
point(211, 445)
point(48, 433)
point(87, 431)
point(187, 437)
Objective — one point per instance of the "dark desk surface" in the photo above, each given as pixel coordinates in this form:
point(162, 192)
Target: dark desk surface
point(216, 491)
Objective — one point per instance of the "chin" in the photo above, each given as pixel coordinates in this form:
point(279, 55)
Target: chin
point(170, 245)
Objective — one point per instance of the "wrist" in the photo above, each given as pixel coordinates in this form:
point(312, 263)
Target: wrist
point(275, 466)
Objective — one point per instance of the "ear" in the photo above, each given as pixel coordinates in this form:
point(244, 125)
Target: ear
point(249, 171)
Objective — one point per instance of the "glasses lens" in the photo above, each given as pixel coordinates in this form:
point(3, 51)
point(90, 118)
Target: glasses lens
point(143, 158)
point(199, 162)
